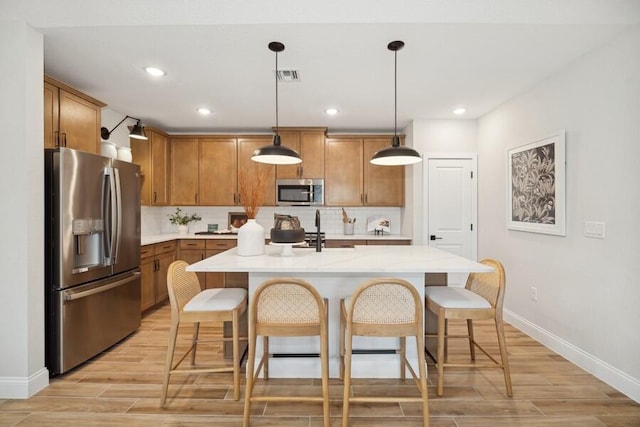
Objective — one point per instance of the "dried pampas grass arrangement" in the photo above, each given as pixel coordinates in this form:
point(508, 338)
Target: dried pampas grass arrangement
point(253, 183)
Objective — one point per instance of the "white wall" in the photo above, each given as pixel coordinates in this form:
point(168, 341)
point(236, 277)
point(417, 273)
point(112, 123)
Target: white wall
point(588, 305)
point(430, 136)
point(22, 371)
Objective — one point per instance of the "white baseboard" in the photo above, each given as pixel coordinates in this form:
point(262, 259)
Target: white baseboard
point(609, 374)
point(23, 387)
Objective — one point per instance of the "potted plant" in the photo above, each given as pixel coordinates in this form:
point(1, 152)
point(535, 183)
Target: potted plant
point(182, 220)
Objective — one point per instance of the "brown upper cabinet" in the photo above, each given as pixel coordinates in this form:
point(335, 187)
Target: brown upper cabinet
point(205, 170)
point(71, 118)
point(153, 156)
point(309, 143)
point(350, 180)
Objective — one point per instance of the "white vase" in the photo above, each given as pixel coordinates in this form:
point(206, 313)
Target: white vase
point(251, 239)
point(124, 153)
point(183, 229)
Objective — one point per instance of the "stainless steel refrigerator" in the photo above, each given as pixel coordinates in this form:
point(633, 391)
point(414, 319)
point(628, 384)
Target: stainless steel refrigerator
point(92, 255)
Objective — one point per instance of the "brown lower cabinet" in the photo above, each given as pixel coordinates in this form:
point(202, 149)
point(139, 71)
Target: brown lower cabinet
point(154, 264)
point(194, 250)
point(351, 243)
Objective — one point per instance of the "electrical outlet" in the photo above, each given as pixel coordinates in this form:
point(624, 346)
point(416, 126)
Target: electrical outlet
point(533, 293)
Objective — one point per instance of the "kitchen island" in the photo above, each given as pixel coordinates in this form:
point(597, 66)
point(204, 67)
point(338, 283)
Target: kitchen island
point(336, 273)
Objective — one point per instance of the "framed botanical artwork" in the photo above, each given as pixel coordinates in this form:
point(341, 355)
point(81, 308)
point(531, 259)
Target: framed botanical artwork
point(536, 185)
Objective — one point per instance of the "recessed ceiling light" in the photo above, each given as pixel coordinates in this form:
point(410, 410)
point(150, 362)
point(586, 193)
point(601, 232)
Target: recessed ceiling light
point(331, 111)
point(459, 111)
point(154, 71)
point(204, 111)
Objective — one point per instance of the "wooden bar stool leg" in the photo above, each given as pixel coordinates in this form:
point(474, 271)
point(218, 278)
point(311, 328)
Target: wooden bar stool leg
point(341, 338)
point(441, 357)
point(236, 354)
point(503, 355)
point(194, 342)
point(472, 347)
point(347, 378)
point(250, 376)
point(265, 356)
point(173, 334)
point(403, 356)
point(422, 372)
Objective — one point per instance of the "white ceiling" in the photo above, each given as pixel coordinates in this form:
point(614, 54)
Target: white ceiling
point(471, 53)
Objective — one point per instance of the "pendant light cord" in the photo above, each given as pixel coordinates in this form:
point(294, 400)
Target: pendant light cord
point(395, 93)
point(276, 93)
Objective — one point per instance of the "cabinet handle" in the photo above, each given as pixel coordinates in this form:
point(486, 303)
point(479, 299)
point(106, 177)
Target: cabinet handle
point(365, 198)
point(56, 139)
point(196, 197)
point(155, 196)
point(361, 198)
point(239, 199)
point(64, 139)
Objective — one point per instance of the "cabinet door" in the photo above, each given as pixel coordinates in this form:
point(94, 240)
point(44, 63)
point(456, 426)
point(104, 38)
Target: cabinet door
point(246, 147)
point(50, 115)
point(141, 155)
point(290, 140)
point(147, 291)
point(184, 171)
point(218, 172)
point(160, 278)
point(214, 280)
point(160, 169)
point(343, 172)
point(191, 256)
point(312, 152)
point(79, 122)
point(383, 185)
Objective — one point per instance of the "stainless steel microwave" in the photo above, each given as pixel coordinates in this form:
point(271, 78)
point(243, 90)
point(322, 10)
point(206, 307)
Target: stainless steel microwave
point(299, 192)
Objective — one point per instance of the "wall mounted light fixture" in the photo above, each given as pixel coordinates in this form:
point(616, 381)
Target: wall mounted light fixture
point(137, 131)
point(276, 154)
point(396, 155)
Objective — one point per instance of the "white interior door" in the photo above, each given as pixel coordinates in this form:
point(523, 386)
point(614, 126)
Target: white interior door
point(452, 210)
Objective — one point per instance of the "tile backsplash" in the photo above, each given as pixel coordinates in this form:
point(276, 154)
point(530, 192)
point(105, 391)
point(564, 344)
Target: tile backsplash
point(155, 219)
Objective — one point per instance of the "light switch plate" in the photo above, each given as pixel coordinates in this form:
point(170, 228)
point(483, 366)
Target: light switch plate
point(594, 229)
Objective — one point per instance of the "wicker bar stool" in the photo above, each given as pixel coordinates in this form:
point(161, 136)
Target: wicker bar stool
point(481, 298)
point(191, 304)
point(383, 307)
point(286, 307)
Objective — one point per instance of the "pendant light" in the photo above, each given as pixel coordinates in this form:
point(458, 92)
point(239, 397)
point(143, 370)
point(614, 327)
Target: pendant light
point(396, 155)
point(276, 154)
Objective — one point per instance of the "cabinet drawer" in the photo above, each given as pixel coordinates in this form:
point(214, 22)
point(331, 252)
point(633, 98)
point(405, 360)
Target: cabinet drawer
point(146, 251)
point(221, 244)
point(344, 243)
point(165, 247)
point(389, 242)
point(192, 244)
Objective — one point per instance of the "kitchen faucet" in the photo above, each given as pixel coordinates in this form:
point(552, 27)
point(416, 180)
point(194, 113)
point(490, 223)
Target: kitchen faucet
point(318, 239)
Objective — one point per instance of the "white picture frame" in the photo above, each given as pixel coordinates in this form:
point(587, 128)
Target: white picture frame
point(536, 185)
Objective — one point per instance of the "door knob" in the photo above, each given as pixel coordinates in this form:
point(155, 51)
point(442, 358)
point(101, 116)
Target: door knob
point(433, 237)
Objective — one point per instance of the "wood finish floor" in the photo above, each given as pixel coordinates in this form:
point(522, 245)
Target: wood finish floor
point(121, 387)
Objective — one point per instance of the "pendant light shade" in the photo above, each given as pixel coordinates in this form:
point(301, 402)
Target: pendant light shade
point(137, 131)
point(396, 155)
point(276, 153)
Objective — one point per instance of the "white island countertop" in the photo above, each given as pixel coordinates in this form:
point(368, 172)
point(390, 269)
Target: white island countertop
point(370, 259)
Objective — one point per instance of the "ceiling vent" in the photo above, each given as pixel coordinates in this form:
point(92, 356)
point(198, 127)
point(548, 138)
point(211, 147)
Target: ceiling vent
point(288, 75)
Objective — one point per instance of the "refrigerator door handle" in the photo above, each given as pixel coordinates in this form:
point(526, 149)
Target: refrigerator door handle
point(72, 296)
point(118, 217)
point(110, 215)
